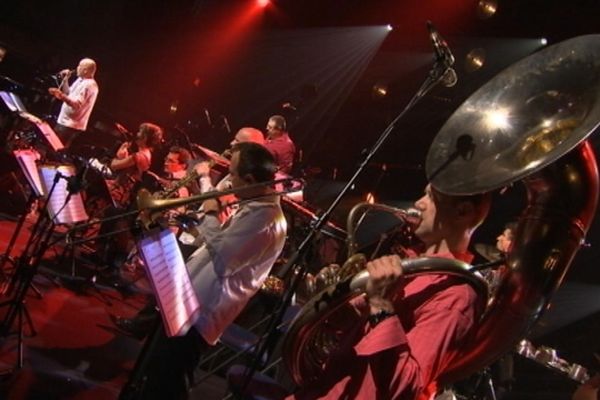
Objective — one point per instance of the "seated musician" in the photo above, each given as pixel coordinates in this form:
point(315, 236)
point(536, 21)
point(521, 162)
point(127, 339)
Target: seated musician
point(412, 325)
point(129, 164)
point(131, 160)
point(226, 270)
point(244, 135)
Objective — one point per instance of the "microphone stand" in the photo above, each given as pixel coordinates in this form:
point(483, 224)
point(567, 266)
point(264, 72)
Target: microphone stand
point(29, 262)
point(435, 76)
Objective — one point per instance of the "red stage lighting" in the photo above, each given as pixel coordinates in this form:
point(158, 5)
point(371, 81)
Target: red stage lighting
point(263, 3)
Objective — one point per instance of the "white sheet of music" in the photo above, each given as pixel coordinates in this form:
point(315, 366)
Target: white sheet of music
point(45, 129)
point(12, 101)
point(166, 270)
point(27, 161)
point(63, 209)
point(50, 135)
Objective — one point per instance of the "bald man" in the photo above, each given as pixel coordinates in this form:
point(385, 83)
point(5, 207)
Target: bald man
point(78, 101)
point(248, 134)
point(244, 135)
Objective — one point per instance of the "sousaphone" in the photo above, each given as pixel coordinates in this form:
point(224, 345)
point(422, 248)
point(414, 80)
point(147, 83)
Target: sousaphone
point(530, 124)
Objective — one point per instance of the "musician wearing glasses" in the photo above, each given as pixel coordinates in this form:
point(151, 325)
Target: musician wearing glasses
point(280, 144)
point(229, 266)
point(412, 325)
point(78, 101)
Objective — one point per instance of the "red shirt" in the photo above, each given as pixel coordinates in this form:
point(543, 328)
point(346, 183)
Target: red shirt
point(401, 357)
point(283, 149)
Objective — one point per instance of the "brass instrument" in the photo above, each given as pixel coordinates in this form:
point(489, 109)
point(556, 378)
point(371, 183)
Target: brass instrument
point(410, 216)
point(529, 124)
point(173, 187)
point(333, 273)
point(146, 202)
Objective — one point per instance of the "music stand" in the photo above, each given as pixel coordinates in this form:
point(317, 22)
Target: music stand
point(27, 161)
point(179, 305)
point(26, 270)
point(16, 106)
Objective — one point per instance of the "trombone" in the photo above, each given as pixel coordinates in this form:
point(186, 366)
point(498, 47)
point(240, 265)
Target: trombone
point(146, 202)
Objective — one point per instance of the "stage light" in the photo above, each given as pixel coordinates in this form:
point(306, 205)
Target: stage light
point(486, 8)
point(379, 90)
point(389, 27)
point(263, 3)
point(474, 60)
point(174, 107)
point(544, 41)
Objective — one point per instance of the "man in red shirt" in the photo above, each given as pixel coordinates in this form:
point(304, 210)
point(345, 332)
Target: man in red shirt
point(412, 325)
point(279, 144)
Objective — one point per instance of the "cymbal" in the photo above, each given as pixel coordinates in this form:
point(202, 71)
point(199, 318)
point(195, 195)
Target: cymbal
point(522, 120)
point(490, 253)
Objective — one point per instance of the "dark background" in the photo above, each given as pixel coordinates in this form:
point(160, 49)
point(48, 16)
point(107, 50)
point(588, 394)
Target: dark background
point(227, 60)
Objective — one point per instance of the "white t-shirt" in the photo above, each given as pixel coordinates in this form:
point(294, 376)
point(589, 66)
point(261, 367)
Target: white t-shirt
point(83, 92)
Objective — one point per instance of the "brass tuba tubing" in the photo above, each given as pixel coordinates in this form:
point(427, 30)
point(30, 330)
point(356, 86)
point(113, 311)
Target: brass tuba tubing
point(411, 216)
point(145, 200)
point(562, 202)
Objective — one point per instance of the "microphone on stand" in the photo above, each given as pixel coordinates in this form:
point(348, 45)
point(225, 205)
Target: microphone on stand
point(208, 119)
point(443, 56)
point(226, 124)
point(77, 183)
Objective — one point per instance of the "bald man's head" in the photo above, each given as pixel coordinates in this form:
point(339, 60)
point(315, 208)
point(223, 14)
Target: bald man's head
point(248, 134)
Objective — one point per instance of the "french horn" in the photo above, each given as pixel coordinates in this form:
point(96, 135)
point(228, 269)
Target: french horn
point(528, 124)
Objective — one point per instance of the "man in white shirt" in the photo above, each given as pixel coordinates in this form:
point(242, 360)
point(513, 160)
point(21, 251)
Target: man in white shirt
point(78, 101)
point(226, 270)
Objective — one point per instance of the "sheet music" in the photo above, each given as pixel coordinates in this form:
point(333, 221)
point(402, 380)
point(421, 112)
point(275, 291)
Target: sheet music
point(169, 277)
point(12, 101)
point(62, 207)
point(27, 161)
point(45, 129)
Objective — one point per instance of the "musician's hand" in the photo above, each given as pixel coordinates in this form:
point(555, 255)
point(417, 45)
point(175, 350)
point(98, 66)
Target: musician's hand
point(211, 205)
point(56, 92)
point(384, 274)
point(202, 168)
point(123, 151)
point(588, 390)
point(65, 73)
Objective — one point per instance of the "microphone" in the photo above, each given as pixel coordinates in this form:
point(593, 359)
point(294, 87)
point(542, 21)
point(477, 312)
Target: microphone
point(288, 106)
point(75, 184)
point(208, 120)
point(65, 73)
point(226, 124)
point(440, 47)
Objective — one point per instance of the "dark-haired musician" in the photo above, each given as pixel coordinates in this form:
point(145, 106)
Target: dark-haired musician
point(128, 165)
point(228, 268)
point(412, 325)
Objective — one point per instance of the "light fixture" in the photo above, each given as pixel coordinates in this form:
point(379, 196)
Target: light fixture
point(379, 90)
point(474, 60)
point(486, 8)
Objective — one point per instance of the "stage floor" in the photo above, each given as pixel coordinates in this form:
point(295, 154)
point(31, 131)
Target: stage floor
point(77, 352)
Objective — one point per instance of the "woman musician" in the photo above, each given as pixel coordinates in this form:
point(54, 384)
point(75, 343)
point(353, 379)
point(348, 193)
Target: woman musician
point(127, 167)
